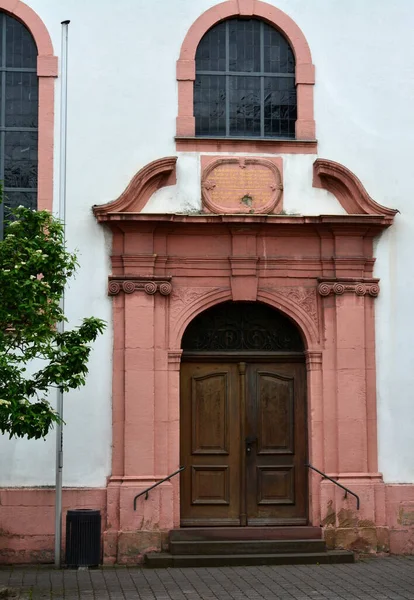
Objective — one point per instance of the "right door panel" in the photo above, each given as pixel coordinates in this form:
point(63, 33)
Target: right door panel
point(276, 478)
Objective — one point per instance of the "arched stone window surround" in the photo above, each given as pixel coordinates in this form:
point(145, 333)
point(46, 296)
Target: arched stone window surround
point(47, 70)
point(305, 79)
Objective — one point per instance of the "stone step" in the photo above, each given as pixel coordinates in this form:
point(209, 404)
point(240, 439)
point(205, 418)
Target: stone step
point(165, 560)
point(246, 547)
point(298, 532)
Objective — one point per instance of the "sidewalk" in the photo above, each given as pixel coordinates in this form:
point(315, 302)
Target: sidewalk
point(370, 579)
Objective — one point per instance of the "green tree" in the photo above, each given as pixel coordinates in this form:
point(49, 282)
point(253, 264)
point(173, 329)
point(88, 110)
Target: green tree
point(34, 356)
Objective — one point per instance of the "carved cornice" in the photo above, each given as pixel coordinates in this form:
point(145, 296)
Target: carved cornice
point(348, 189)
point(360, 287)
point(295, 223)
point(149, 179)
point(149, 285)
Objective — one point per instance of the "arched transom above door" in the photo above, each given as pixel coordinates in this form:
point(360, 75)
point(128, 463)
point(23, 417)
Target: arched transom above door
point(242, 326)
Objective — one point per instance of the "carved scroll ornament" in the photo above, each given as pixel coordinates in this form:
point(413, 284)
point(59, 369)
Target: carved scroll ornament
point(348, 189)
point(146, 284)
point(149, 179)
point(356, 287)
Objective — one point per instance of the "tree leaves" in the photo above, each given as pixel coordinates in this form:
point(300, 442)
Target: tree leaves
point(34, 269)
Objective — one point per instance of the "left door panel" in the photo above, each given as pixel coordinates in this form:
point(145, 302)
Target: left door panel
point(210, 444)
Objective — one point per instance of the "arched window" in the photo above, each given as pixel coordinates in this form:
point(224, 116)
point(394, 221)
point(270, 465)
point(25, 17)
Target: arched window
point(18, 115)
point(245, 82)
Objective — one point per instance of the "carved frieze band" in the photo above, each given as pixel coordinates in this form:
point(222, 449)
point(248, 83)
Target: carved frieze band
point(356, 287)
point(145, 284)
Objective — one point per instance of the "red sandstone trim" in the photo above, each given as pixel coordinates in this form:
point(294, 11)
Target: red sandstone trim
point(360, 287)
point(211, 297)
point(347, 188)
point(149, 179)
point(149, 285)
point(195, 144)
point(305, 73)
point(345, 222)
point(297, 313)
point(47, 69)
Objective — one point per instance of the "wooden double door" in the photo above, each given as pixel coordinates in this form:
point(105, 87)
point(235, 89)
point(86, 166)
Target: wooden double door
point(243, 442)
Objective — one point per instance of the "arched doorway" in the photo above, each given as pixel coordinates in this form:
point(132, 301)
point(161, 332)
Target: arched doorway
point(243, 425)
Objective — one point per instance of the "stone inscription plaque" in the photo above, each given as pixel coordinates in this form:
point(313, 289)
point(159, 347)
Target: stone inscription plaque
point(242, 185)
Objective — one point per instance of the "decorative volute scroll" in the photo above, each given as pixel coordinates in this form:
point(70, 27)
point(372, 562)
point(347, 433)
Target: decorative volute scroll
point(149, 285)
point(338, 287)
point(348, 189)
point(149, 179)
point(241, 185)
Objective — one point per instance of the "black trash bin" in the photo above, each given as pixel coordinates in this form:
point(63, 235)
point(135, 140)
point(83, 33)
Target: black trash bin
point(83, 538)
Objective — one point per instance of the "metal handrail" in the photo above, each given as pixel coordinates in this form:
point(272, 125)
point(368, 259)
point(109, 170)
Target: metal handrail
point(155, 485)
point(325, 476)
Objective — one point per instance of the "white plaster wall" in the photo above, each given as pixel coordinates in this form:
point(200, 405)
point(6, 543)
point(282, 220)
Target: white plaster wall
point(299, 197)
point(122, 109)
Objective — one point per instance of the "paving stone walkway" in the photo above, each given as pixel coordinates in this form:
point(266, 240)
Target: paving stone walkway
point(369, 579)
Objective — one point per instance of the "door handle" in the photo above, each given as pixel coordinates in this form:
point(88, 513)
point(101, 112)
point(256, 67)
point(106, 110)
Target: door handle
point(249, 441)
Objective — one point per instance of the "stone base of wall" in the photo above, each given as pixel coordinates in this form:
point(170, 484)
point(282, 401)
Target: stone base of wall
point(129, 547)
point(364, 540)
point(27, 523)
point(400, 517)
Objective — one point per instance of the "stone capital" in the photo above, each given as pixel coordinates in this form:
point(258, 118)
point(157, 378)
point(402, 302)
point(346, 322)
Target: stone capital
point(360, 287)
point(149, 285)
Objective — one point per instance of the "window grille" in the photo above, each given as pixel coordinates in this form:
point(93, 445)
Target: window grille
point(245, 82)
point(18, 116)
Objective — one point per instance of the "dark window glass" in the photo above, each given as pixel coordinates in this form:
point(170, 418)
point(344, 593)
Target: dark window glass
point(279, 107)
point(277, 54)
point(21, 49)
point(15, 199)
point(18, 115)
point(20, 160)
point(210, 103)
point(244, 106)
point(21, 99)
point(211, 55)
point(245, 82)
point(244, 45)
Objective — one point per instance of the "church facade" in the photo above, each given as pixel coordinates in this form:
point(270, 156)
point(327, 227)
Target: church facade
point(235, 174)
